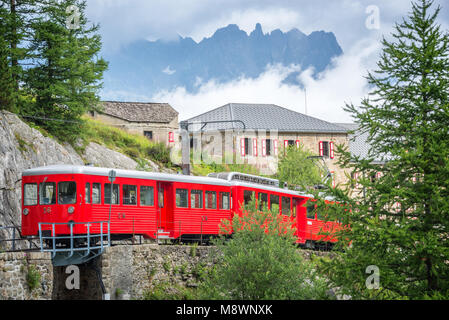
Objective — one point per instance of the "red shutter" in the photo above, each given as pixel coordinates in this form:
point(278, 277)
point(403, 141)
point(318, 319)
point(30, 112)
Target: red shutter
point(285, 144)
point(297, 144)
point(331, 147)
point(255, 147)
point(333, 179)
point(242, 147)
point(321, 148)
point(264, 147)
point(275, 147)
point(171, 137)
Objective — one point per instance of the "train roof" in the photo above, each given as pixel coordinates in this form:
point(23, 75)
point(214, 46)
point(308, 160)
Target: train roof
point(89, 170)
point(74, 169)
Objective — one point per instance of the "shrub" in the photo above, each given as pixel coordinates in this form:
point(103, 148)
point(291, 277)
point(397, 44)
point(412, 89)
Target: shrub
point(33, 277)
point(261, 262)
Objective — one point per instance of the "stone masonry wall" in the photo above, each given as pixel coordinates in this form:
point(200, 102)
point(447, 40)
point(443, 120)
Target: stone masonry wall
point(128, 272)
point(17, 272)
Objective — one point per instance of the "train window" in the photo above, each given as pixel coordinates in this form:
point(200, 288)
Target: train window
point(129, 194)
point(311, 211)
point(320, 216)
point(196, 199)
point(87, 191)
point(296, 202)
point(274, 203)
point(181, 198)
point(146, 196)
point(48, 193)
point(30, 194)
point(263, 201)
point(224, 201)
point(107, 194)
point(286, 205)
point(67, 192)
point(211, 200)
point(247, 196)
point(160, 199)
point(96, 193)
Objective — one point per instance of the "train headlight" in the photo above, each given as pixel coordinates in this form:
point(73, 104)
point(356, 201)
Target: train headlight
point(71, 210)
point(26, 211)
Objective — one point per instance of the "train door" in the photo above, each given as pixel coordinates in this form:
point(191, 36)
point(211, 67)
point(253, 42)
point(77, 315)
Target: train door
point(165, 205)
point(301, 220)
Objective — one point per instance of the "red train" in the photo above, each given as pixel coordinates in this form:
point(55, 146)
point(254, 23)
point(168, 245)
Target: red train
point(154, 205)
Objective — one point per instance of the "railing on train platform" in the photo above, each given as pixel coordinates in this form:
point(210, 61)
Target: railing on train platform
point(16, 240)
point(88, 237)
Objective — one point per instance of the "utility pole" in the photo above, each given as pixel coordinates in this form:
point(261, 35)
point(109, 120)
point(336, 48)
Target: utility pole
point(185, 140)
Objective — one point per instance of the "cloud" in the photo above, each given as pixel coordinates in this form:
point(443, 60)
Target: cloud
point(168, 71)
point(326, 96)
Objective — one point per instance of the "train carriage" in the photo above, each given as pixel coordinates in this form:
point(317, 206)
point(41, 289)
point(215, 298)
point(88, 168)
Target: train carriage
point(66, 198)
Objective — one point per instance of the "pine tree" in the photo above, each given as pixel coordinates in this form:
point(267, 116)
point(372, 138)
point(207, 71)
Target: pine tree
point(67, 72)
point(7, 91)
point(400, 222)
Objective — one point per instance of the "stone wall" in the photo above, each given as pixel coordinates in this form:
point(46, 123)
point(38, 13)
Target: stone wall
point(26, 276)
point(128, 272)
point(146, 266)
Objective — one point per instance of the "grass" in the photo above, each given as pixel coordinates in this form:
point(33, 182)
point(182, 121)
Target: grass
point(204, 169)
point(169, 291)
point(23, 145)
point(135, 146)
point(33, 278)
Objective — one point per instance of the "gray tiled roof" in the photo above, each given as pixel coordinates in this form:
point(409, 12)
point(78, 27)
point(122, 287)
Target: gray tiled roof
point(264, 117)
point(358, 141)
point(139, 111)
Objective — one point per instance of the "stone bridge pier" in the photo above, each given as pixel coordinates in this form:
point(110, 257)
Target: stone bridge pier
point(127, 272)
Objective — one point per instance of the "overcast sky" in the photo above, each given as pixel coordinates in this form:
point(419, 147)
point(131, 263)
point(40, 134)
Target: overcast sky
point(353, 22)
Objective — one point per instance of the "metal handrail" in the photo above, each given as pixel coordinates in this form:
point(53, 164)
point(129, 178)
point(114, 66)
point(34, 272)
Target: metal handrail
point(88, 236)
point(14, 239)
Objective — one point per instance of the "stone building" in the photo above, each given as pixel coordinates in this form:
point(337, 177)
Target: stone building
point(258, 133)
point(156, 121)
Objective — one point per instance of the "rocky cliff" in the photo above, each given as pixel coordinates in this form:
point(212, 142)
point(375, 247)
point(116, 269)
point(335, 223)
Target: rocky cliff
point(22, 147)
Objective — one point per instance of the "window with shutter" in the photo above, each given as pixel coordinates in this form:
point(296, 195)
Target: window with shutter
point(242, 147)
point(264, 148)
point(255, 147)
point(331, 147)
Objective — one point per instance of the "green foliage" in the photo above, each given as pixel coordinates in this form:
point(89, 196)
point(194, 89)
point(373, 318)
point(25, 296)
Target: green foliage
point(135, 146)
point(159, 152)
point(193, 249)
point(295, 168)
point(66, 70)
point(33, 277)
point(7, 88)
point(261, 262)
point(399, 222)
point(203, 169)
point(166, 266)
point(23, 145)
point(168, 291)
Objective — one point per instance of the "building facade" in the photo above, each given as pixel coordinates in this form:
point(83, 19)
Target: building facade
point(257, 134)
point(156, 121)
